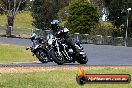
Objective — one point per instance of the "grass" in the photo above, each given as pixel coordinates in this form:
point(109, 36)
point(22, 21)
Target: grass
point(14, 53)
point(3, 20)
point(22, 23)
point(23, 20)
point(57, 79)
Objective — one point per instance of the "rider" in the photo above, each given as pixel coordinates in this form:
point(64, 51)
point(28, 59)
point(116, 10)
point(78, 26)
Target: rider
point(33, 36)
point(58, 30)
point(62, 32)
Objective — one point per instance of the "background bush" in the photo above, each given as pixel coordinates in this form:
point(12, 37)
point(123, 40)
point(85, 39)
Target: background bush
point(82, 17)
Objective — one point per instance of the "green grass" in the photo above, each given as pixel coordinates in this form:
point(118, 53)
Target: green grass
point(14, 53)
point(23, 20)
point(57, 79)
point(22, 23)
point(2, 20)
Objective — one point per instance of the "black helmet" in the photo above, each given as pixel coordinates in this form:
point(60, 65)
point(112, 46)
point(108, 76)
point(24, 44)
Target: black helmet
point(54, 24)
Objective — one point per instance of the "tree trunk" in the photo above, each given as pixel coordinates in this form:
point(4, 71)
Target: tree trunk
point(10, 21)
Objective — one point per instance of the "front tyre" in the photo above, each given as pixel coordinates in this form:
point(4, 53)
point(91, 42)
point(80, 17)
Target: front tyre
point(41, 55)
point(59, 59)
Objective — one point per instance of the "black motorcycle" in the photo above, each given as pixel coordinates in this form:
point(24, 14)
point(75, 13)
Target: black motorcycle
point(61, 52)
point(40, 49)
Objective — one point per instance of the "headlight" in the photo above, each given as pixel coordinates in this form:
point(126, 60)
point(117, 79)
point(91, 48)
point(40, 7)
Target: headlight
point(42, 42)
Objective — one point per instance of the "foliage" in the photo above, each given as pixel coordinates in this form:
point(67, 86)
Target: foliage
point(119, 31)
point(104, 28)
point(12, 6)
point(83, 16)
point(118, 11)
point(118, 14)
point(107, 2)
point(99, 4)
point(63, 13)
point(44, 11)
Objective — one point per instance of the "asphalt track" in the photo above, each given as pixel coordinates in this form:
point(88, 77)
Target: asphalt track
point(98, 55)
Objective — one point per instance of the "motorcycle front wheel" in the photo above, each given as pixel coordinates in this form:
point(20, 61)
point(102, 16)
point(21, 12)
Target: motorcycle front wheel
point(59, 59)
point(41, 55)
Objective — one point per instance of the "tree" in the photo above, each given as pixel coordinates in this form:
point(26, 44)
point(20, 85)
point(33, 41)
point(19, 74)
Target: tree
point(10, 8)
point(83, 16)
point(44, 11)
point(104, 28)
point(117, 10)
point(99, 4)
point(107, 3)
point(118, 13)
point(63, 13)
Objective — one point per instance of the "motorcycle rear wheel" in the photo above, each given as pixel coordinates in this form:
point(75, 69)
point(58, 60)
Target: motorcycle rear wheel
point(82, 60)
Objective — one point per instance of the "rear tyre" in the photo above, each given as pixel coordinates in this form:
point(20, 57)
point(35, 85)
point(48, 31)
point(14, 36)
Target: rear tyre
point(59, 59)
point(82, 59)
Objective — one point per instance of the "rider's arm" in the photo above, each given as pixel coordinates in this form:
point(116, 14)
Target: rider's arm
point(33, 35)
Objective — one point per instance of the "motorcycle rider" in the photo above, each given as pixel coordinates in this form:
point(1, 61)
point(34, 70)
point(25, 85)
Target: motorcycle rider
point(62, 32)
point(33, 39)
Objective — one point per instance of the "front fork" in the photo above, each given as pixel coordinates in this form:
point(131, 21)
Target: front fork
point(58, 49)
point(65, 53)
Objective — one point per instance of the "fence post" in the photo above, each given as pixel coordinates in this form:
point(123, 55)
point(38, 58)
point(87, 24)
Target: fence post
point(108, 40)
point(8, 30)
point(86, 35)
point(98, 39)
point(118, 41)
point(77, 36)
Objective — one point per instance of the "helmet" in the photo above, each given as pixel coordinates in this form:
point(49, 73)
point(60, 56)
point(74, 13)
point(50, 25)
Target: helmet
point(54, 24)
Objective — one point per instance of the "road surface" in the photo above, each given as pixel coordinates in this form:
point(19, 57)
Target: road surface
point(97, 54)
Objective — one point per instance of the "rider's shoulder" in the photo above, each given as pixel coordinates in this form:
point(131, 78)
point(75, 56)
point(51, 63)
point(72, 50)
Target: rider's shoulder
point(61, 27)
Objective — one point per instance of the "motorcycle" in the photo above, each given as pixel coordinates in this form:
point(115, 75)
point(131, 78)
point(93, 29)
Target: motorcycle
point(62, 53)
point(40, 49)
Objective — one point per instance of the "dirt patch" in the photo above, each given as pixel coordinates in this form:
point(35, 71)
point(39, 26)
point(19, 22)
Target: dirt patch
point(30, 69)
point(50, 68)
